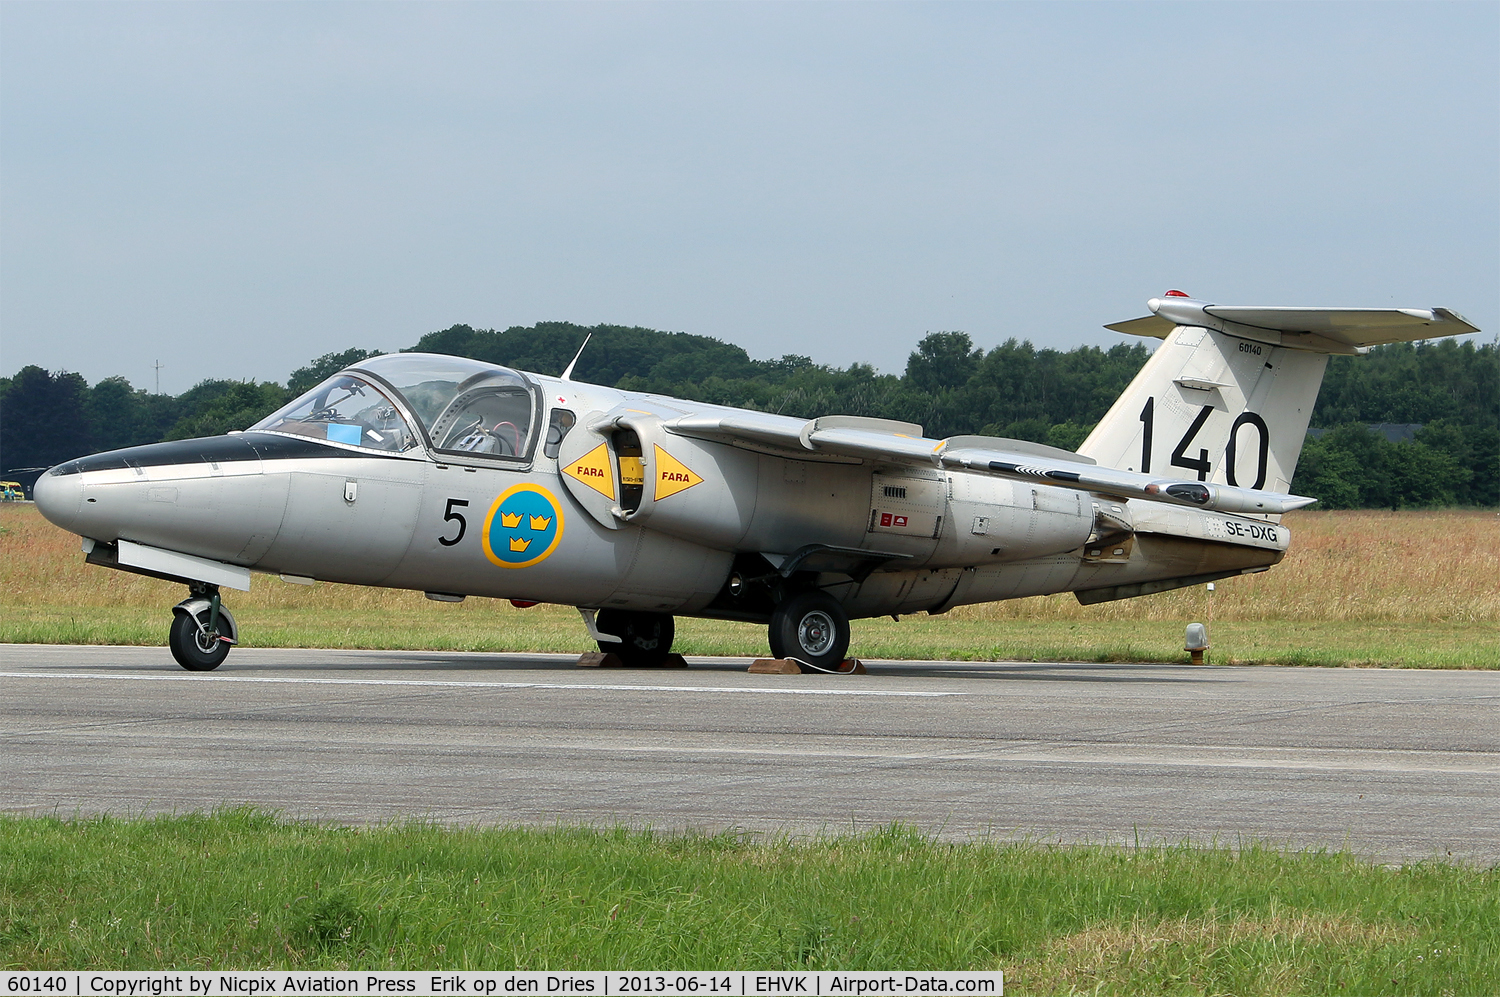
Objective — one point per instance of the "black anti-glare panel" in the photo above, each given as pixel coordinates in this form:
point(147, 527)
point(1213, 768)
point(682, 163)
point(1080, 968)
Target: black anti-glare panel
point(212, 449)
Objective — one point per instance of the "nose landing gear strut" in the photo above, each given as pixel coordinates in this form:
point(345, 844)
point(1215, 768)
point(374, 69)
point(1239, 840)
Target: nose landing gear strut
point(645, 638)
point(202, 630)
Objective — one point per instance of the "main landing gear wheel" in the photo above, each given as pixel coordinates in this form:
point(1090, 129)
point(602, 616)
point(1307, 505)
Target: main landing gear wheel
point(196, 647)
point(811, 628)
point(645, 638)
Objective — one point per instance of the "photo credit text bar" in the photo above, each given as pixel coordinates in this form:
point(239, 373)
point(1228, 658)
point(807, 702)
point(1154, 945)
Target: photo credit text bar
point(156, 983)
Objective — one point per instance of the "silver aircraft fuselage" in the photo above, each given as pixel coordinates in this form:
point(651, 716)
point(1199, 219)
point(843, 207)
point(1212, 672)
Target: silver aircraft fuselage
point(464, 478)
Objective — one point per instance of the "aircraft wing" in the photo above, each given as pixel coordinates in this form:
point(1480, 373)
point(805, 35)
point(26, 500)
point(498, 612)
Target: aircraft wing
point(903, 443)
point(1320, 330)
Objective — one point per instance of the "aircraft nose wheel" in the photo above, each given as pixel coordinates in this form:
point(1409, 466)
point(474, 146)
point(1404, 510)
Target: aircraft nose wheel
point(812, 628)
point(196, 645)
point(645, 638)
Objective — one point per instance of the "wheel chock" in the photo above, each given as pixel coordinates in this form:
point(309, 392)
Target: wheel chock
point(774, 666)
point(786, 666)
point(608, 659)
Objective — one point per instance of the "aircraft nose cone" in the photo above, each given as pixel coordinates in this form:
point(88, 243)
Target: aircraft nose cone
point(58, 496)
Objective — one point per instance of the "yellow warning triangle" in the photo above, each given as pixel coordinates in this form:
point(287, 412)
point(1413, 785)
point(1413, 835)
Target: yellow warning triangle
point(593, 470)
point(672, 475)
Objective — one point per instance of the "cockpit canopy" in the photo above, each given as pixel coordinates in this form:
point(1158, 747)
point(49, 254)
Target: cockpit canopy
point(344, 409)
point(465, 406)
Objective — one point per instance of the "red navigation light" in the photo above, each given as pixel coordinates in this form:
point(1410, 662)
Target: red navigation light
point(1178, 294)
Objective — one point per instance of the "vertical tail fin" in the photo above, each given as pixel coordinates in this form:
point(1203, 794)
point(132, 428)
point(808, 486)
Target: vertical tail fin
point(1228, 395)
point(1215, 408)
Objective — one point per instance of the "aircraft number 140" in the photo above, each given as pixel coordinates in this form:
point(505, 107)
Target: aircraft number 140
point(1201, 463)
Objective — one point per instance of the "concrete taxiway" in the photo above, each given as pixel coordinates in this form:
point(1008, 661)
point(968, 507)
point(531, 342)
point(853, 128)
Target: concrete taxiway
point(1398, 765)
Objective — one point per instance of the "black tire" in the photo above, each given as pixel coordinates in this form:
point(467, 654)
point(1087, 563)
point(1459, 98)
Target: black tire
point(194, 650)
point(645, 638)
point(811, 627)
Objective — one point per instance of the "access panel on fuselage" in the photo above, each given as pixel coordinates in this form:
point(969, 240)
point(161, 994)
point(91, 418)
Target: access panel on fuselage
point(347, 520)
point(588, 469)
point(908, 505)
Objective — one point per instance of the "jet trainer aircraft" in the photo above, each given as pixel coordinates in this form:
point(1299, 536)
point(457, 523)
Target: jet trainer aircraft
point(456, 478)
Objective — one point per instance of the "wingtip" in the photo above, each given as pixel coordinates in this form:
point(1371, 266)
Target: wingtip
point(1449, 315)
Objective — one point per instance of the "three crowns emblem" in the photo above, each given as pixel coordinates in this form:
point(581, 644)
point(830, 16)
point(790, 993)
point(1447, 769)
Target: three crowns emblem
point(512, 520)
point(523, 527)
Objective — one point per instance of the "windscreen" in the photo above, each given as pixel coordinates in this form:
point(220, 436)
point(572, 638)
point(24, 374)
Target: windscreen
point(466, 406)
point(344, 409)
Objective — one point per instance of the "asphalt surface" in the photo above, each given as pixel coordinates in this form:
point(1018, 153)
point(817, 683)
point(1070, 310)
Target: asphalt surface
point(1396, 765)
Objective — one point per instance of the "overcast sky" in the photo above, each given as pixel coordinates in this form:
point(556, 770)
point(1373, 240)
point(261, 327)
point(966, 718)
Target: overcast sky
point(236, 188)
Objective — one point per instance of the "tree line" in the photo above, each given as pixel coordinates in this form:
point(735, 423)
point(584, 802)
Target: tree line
point(950, 386)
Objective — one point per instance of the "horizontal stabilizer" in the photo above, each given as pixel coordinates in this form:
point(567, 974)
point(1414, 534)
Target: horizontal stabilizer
point(1153, 326)
point(1318, 330)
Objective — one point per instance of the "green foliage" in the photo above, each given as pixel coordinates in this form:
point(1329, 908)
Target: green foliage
point(1413, 382)
point(1353, 468)
point(943, 361)
point(1021, 392)
point(1332, 473)
point(325, 366)
point(1451, 389)
point(44, 416)
point(615, 351)
point(224, 405)
point(51, 417)
point(115, 414)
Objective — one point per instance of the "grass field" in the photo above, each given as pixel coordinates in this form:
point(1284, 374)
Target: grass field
point(1412, 589)
point(240, 889)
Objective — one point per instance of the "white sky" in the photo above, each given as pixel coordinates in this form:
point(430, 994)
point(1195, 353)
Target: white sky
point(236, 188)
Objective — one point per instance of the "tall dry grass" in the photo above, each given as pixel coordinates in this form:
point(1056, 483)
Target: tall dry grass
point(1428, 567)
point(41, 565)
point(1417, 566)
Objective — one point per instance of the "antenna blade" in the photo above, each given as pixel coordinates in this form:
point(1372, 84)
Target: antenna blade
point(567, 374)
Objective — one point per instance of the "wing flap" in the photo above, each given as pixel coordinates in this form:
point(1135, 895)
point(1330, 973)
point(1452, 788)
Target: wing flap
point(1016, 446)
point(1127, 484)
point(868, 439)
point(731, 426)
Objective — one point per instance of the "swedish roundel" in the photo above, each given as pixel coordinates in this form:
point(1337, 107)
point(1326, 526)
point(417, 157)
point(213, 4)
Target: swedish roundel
point(523, 526)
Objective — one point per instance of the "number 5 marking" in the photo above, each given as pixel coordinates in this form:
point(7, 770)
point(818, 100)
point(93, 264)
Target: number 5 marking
point(449, 516)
